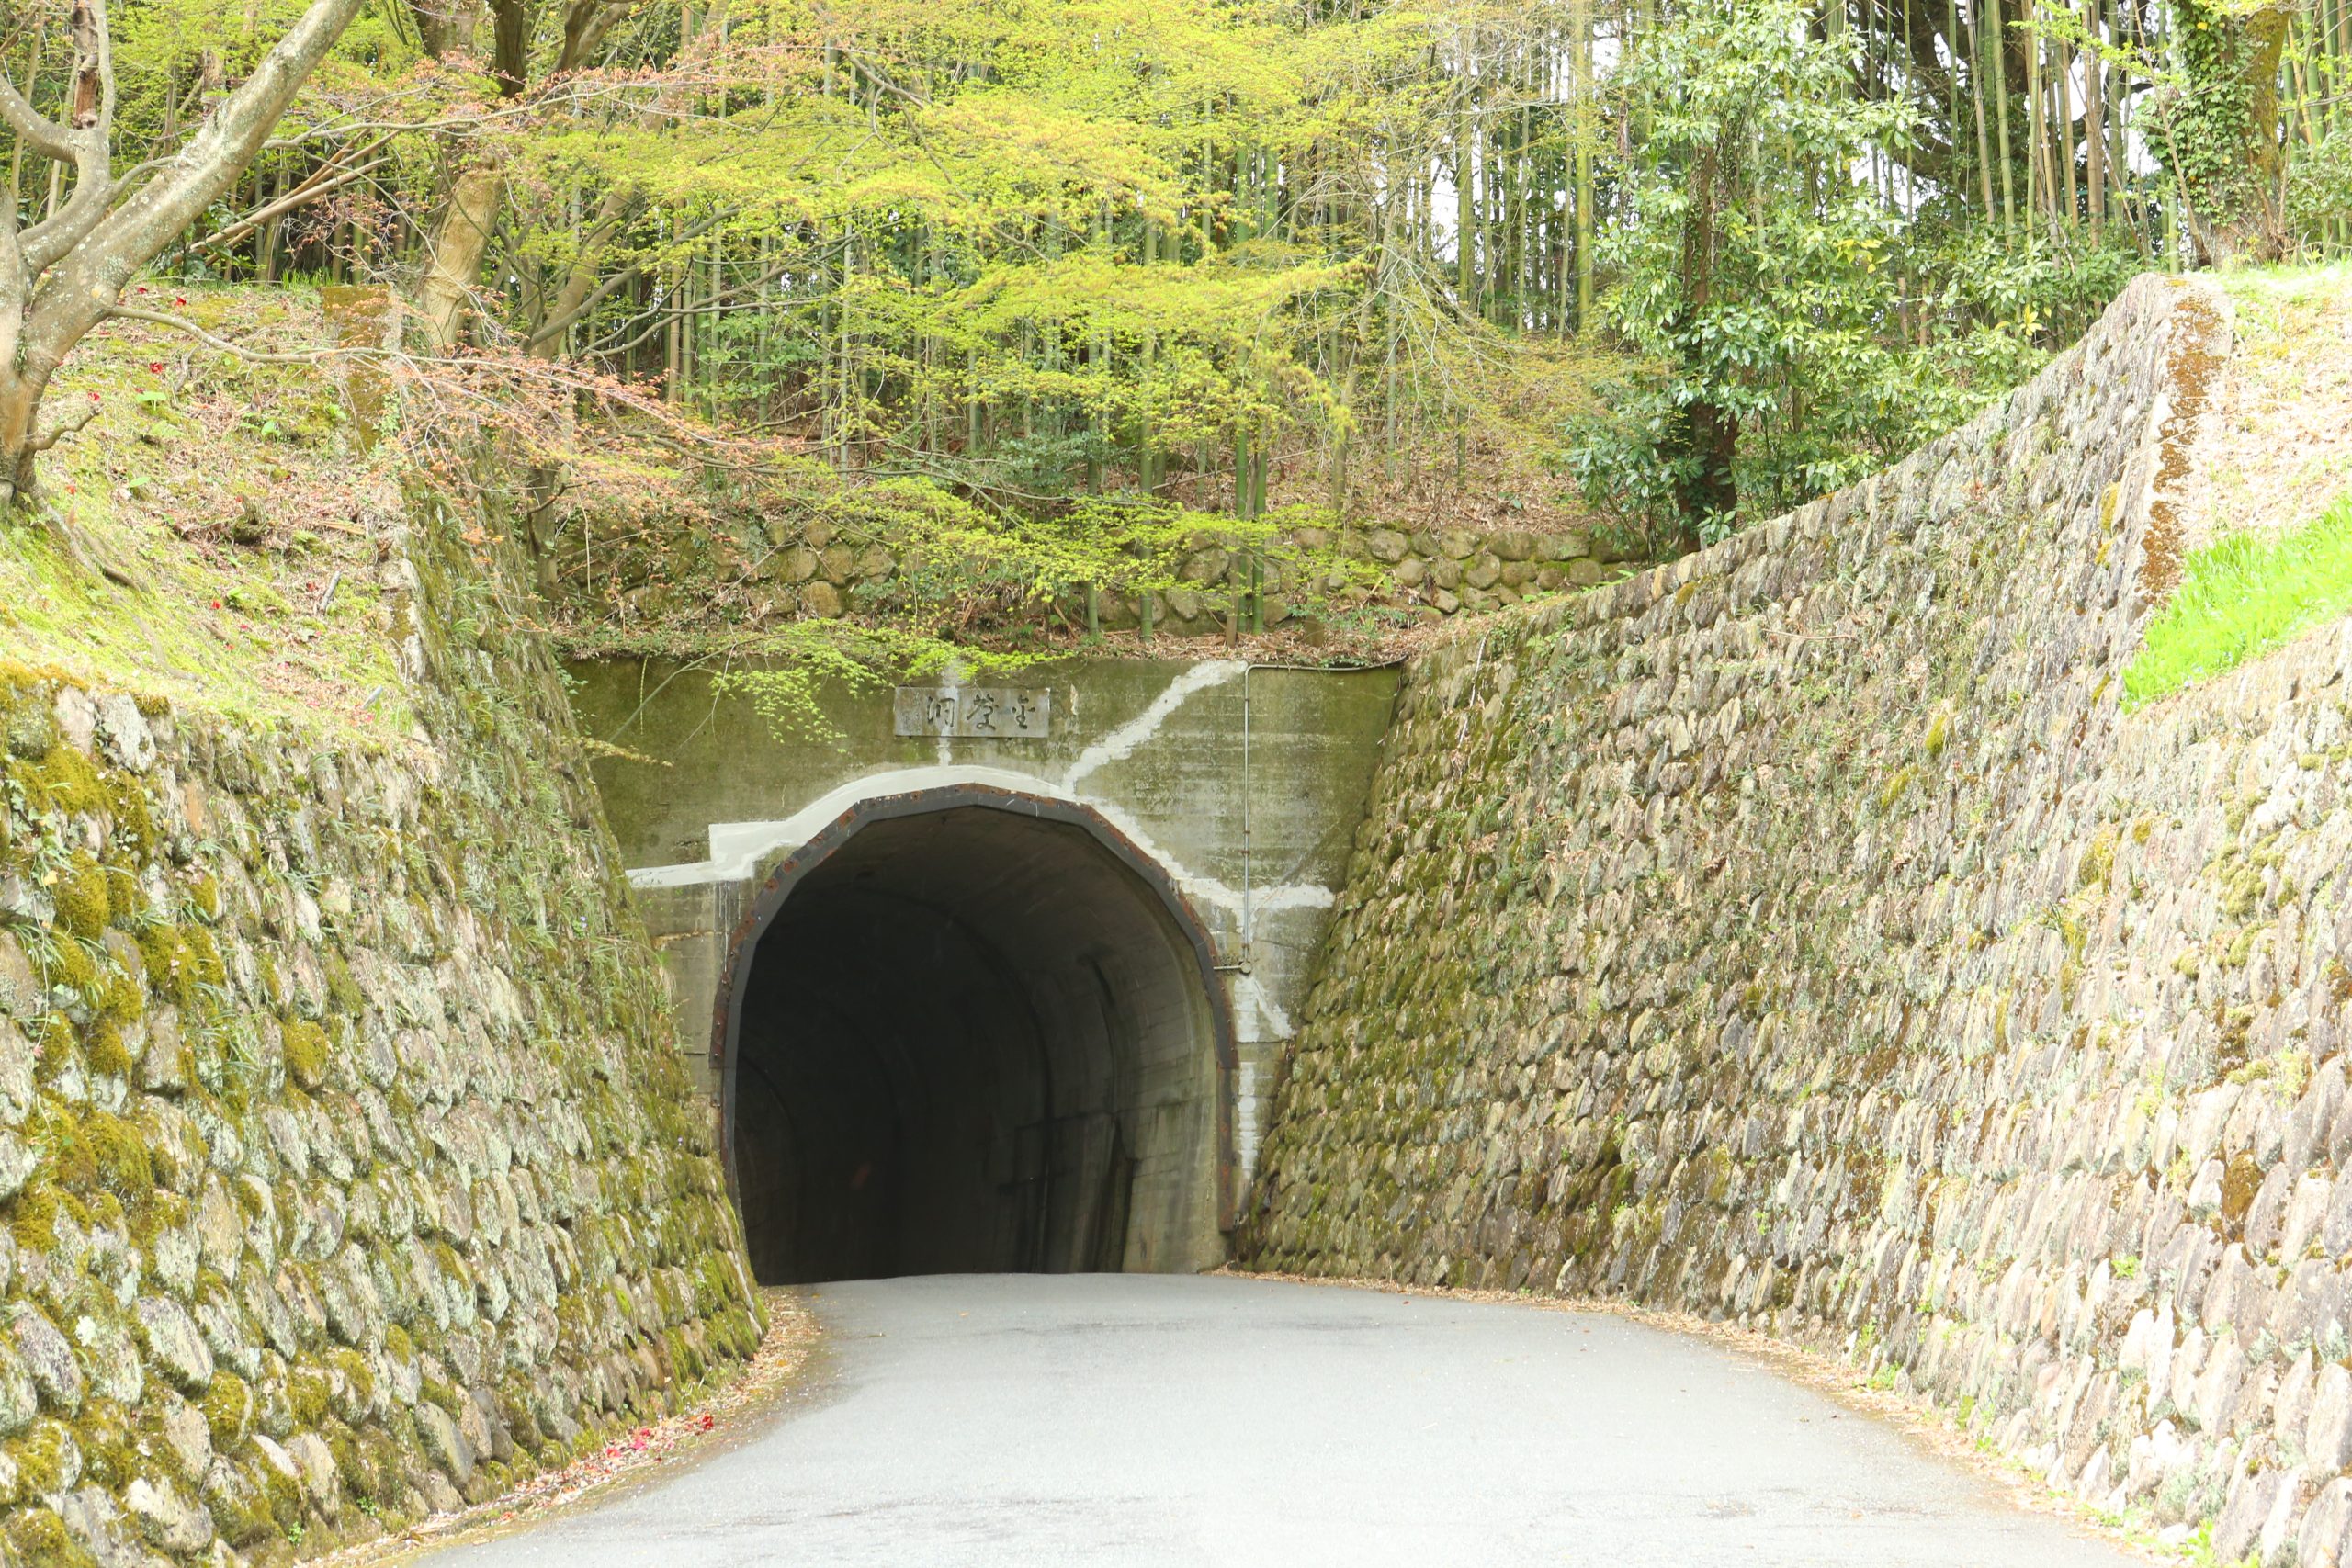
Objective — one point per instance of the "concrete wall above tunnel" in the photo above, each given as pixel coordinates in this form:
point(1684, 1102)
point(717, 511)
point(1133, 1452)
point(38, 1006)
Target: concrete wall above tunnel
point(1041, 920)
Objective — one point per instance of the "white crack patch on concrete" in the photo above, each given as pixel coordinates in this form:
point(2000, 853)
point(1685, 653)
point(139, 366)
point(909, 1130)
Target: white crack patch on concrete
point(1274, 898)
point(1245, 1118)
point(1274, 1022)
point(1123, 741)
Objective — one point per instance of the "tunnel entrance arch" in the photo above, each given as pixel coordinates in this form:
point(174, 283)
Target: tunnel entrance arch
point(966, 1027)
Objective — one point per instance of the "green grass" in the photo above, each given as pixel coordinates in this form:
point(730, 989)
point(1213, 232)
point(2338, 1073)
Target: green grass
point(2242, 596)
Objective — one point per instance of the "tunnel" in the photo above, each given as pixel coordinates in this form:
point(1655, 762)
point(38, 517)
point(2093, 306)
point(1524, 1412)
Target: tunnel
point(976, 1034)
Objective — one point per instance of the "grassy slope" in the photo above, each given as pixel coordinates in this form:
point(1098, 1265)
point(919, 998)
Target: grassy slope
point(231, 495)
point(2242, 595)
point(2271, 501)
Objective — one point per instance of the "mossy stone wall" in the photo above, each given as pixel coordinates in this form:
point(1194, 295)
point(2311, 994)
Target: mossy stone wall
point(1801, 935)
point(346, 1169)
point(807, 570)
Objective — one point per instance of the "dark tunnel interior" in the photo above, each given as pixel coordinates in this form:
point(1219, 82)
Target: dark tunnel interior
point(974, 1039)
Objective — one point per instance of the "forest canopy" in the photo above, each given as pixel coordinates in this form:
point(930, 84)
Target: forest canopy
point(1666, 265)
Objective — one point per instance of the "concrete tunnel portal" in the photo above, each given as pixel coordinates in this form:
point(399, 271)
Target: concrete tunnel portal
point(974, 1030)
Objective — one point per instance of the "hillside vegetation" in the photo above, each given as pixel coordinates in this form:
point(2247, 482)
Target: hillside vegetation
point(221, 527)
point(1065, 273)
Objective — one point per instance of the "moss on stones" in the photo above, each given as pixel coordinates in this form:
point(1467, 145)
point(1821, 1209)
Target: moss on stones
point(66, 965)
point(120, 999)
point(204, 894)
point(62, 779)
point(227, 1408)
point(2240, 1182)
point(305, 1044)
point(368, 1463)
point(165, 1211)
point(435, 1392)
point(84, 906)
point(109, 1445)
point(111, 1156)
point(134, 820)
point(356, 1394)
point(32, 1219)
point(106, 1052)
point(310, 1394)
point(1745, 1046)
point(343, 991)
point(47, 1459)
point(240, 1510)
point(39, 1540)
point(169, 961)
point(280, 1494)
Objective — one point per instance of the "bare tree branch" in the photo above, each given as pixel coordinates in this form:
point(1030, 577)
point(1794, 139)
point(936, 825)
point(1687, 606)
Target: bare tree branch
point(318, 187)
point(41, 133)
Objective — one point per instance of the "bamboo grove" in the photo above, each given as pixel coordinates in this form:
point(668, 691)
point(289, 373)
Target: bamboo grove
point(1232, 251)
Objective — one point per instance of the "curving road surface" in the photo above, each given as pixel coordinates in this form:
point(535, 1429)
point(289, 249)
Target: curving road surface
point(1143, 1419)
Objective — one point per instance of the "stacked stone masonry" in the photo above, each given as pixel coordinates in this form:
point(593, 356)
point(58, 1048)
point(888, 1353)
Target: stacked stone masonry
point(344, 1171)
point(809, 570)
point(1800, 936)
point(1431, 573)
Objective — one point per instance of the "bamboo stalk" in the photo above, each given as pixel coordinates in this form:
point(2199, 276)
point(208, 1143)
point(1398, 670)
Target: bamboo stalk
point(1976, 92)
point(2001, 98)
point(2094, 123)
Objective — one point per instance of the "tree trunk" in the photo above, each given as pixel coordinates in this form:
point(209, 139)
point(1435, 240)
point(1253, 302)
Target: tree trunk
point(2095, 124)
point(2228, 127)
point(1582, 97)
point(454, 252)
point(19, 406)
point(1465, 212)
point(1997, 37)
point(1710, 433)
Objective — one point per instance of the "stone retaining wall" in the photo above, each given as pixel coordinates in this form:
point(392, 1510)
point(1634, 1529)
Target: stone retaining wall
point(345, 1168)
point(1431, 574)
point(1434, 575)
point(1799, 934)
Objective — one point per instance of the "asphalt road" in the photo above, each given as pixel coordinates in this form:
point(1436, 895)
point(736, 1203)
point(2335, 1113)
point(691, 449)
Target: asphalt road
point(1131, 1419)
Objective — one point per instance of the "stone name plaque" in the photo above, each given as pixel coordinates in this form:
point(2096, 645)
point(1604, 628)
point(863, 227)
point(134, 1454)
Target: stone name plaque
point(994, 713)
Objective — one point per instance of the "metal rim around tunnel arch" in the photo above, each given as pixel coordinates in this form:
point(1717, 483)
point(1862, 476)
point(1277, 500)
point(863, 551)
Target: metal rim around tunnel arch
point(744, 941)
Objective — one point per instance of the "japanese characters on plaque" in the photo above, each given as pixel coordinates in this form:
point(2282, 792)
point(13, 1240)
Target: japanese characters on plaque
point(993, 712)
